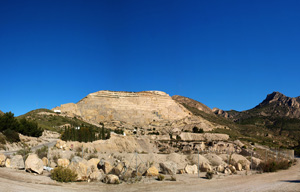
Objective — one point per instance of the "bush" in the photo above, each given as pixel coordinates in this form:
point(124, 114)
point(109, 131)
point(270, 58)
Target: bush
point(209, 175)
point(160, 177)
point(273, 166)
point(62, 174)
point(11, 135)
point(42, 152)
point(197, 130)
point(24, 152)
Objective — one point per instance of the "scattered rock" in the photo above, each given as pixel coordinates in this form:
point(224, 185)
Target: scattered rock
point(168, 167)
point(2, 160)
point(97, 175)
point(93, 164)
point(17, 162)
point(7, 162)
point(34, 164)
point(239, 167)
point(221, 168)
point(63, 162)
point(81, 169)
point(152, 171)
point(111, 179)
point(105, 166)
point(227, 171)
point(191, 169)
point(232, 168)
point(214, 159)
point(45, 161)
point(205, 167)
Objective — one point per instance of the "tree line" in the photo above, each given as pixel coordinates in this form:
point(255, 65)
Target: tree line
point(85, 134)
point(11, 126)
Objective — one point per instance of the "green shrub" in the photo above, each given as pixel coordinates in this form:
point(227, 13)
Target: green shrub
point(62, 174)
point(273, 166)
point(209, 175)
point(11, 135)
point(160, 177)
point(24, 152)
point(42, 152)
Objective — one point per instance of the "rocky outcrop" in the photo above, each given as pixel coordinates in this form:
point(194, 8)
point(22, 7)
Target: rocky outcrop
point(220, 112)
point(185, 136)
point(34, 164)
point(1, 113)
point(192, 103)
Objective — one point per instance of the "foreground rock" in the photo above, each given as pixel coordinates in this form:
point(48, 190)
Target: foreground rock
point(111, 179)
point(34, 164)
point(17, 162)
point(168, 167)
point(63, 162)
point(97, 175)
point(152, 171)
point(2, 160)
point(191, 169)
point(79, 166)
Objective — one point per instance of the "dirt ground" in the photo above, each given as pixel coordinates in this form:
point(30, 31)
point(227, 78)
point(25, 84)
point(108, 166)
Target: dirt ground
point(286, 180)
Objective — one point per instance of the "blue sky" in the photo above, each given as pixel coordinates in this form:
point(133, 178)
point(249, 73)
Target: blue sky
point(225, 54)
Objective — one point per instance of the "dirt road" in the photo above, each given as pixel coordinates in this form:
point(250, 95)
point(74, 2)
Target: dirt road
point(286, 180)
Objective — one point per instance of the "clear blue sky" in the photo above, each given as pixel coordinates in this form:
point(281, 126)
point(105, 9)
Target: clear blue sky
point(225, 54)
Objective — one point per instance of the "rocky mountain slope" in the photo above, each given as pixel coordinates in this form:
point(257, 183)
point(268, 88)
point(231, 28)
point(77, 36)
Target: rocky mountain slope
point(1, 113)
point(147, 109)
point(278, 115)
point(192, 103)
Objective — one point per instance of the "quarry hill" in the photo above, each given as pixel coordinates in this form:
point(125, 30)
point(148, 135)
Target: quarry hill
point(147, 109)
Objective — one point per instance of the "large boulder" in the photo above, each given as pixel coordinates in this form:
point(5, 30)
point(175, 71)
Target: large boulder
point(232, 168)
point(93, 164)
point(45, 161)
point(168, 167)
point(221, 168)
point(81, 169)
point(111, 179)
point(214, 159)
point(97, 175)
point(255, 162)
point(191, 169)
point(194, 158)
point(17, 162)
point(7, 162)
point(105, 166)
point(2, 160)
point(152, 171)
point(63, 162)
point(34, 164)
point(205, 167)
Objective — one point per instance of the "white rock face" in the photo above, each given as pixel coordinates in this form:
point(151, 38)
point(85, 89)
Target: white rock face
point(136, 107)
point(34, 164)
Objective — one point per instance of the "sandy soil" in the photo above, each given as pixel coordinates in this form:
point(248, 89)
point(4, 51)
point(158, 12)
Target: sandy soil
point(286, 180)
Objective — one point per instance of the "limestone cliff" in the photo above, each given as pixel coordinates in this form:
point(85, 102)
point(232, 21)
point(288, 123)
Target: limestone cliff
point(140, 109)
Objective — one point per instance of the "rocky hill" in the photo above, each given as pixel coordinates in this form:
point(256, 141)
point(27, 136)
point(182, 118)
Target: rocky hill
point(277, 115)
point(192, 103)
point(1, 113)
point(147, 109)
